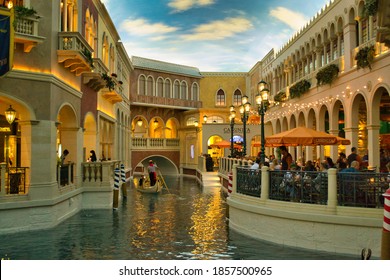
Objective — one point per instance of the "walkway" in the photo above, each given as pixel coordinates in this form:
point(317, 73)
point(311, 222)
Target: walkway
point(211, 179)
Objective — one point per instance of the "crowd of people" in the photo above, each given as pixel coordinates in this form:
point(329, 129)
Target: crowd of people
point(351, 163)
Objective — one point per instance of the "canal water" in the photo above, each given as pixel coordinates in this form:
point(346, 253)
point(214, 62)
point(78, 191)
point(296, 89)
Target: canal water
point(188, 222)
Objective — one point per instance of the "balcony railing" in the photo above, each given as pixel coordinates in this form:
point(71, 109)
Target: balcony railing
point(155, 143)
point(166, 101)
point(94, 78)
point(26, 32)
point(72, 50)
point(97, 174)
point(13, 180)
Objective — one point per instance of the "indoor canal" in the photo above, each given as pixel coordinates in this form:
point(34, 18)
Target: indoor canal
point(186, 221)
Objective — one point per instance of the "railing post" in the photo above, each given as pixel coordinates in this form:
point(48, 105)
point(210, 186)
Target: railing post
point(234, 185)
point(265, 183)
point(3, 168)
point(332, 190)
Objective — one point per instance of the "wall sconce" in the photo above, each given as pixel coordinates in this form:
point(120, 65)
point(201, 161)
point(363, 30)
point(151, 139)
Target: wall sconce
point(155, 123)
point(205, 118)
point(196, 124)
point(139, 122)
point(10, 114)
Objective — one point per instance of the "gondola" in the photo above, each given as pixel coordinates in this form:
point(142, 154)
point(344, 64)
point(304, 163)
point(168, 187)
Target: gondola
point(144, 186)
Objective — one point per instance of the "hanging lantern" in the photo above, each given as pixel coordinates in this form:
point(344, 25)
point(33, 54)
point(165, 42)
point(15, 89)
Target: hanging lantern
point(10, 114)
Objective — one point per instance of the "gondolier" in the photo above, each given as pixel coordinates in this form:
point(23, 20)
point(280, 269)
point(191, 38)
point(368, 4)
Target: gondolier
point(152, 173)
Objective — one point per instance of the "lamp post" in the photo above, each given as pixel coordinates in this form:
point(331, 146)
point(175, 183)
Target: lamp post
point(244, 110)
point(262, 103)
point(231, 117)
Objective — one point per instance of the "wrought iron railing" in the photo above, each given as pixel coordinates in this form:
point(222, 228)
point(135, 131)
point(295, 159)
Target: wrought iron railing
point(249, 181)
point(16, 180)
point(65, 174)
point(358, 189)
point(299, 186)
point(362, 189)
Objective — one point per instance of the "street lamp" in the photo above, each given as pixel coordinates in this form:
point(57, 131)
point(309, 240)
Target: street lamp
point(231, 117)
point(262, 103)
point(244, 110)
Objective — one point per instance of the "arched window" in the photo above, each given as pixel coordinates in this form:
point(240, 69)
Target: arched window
point(141, 85)
point(221, 101)
point(105, 49)
point(237, 96)
point(191, 121)
point(195, 92)
point(149, 86)
point(112, 59)
point(90, 28)
point(176, 90)
point(214, 119)
point(160, 87)
point(183, 90)
point(168, 88)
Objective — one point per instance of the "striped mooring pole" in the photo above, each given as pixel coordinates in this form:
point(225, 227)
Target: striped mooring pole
point(123, 179)
point(385, 248)
point(230, 183)
point(116, 189)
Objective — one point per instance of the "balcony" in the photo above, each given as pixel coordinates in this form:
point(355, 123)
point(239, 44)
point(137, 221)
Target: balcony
point(94, 79)
point(113, 90)
point(26, 32)
point(168, 102)
point(138, 143)
point(74, 52)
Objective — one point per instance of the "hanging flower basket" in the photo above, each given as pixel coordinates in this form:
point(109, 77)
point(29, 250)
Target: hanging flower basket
point(299, 88)
point(280, 96)
point(327, 75)
point(365, 57)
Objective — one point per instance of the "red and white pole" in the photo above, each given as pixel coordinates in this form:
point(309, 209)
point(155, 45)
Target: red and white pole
point(385, 253)
point(230, 183)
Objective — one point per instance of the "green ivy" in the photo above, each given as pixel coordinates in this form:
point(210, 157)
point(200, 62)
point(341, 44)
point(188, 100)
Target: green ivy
point(327, 74)
point(299, 88)
point(88, 55)
point(365, 57)
point(370, 8)
point(110, 84)
point(280, 97)
point(22, 12)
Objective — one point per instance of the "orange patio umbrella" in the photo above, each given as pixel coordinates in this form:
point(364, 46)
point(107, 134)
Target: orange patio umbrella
point(301, 136)
point(224, 144)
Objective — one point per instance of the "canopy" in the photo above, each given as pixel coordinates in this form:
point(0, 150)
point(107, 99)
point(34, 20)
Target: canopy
point(224, 144)
point(343, 141)
point(301, 136)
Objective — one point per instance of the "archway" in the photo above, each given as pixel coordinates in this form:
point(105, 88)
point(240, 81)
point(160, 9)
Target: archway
point(90, 136)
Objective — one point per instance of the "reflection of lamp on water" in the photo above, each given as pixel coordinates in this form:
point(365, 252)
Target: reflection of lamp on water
point(10, 114)
point(139, 122)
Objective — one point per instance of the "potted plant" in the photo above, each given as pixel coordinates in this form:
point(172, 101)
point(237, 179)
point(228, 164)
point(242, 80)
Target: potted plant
point(22, 12)
point(110, 84)
point(365, 57)
point(299, 88)
point(327, 74)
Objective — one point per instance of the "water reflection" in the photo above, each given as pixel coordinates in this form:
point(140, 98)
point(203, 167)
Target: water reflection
point(187, 223)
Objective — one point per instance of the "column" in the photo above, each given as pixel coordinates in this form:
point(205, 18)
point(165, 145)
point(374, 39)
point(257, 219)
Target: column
point(265, 183)
point(65, 16)
point(38, 151)
point(373, 145)
point(349, 44)
point(351, 133)
point(334, 148)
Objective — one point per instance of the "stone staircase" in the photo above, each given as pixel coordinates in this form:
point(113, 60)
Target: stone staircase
point(210, 179)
